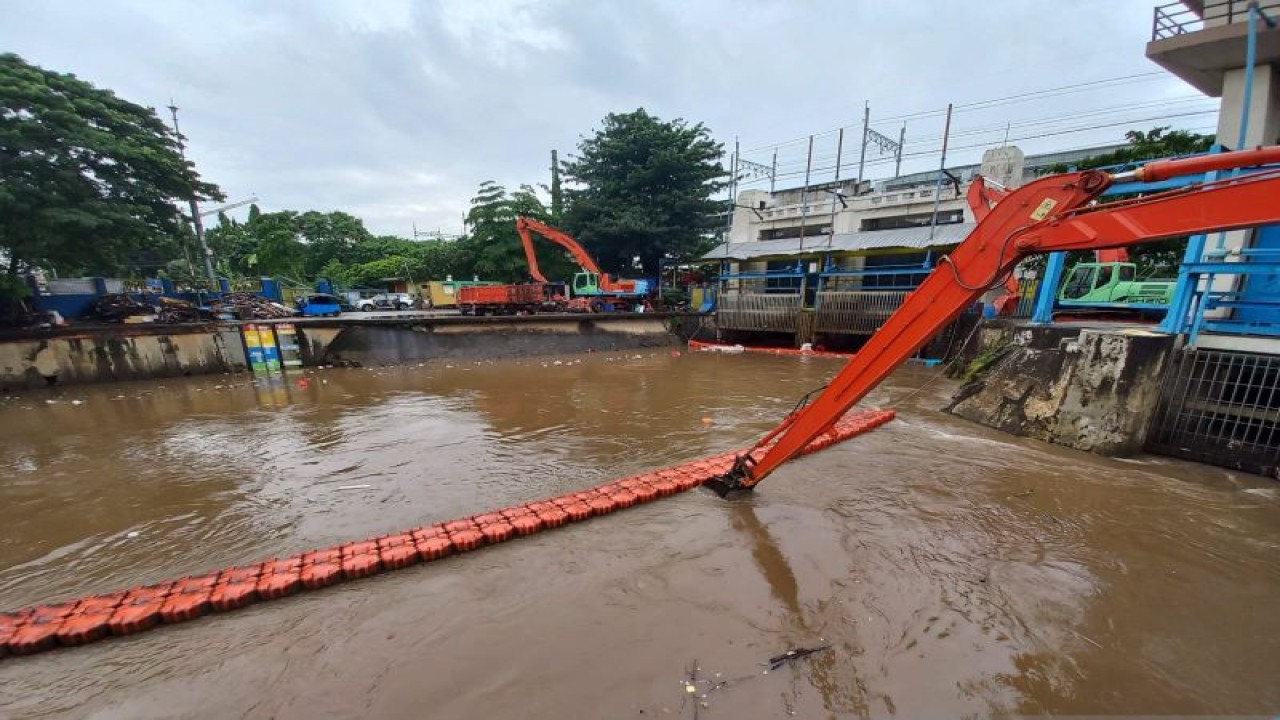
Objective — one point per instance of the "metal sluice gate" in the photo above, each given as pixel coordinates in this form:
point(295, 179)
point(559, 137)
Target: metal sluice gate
point(97, 617)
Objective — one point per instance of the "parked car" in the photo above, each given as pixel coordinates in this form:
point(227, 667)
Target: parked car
point(386, 301)
point(319, 305)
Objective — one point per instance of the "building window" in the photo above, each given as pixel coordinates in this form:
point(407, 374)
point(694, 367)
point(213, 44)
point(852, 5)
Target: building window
point(945, 217)
point(789, 233)
point(782, 285)
point(897, 280)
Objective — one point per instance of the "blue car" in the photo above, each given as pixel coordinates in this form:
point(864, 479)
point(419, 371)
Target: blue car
point(319, 305)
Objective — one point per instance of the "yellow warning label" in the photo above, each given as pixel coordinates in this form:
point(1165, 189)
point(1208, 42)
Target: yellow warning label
point(1043, 210)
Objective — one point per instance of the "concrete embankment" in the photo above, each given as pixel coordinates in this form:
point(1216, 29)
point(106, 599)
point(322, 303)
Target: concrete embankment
point(1088, 388)
point(136, 352)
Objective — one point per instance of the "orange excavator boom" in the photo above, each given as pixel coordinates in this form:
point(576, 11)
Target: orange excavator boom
point(1046, 215)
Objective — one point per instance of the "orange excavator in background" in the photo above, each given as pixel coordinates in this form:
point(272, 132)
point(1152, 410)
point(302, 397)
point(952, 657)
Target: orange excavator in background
point(592, 282)
point(1047, 215)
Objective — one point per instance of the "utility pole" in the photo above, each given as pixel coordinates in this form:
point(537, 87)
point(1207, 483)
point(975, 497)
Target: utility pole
point(866, 125)
point(942, 170)
point(556, 199)
point(196, 222)
point(902, 138)
point(804, 194)
point(839, 152)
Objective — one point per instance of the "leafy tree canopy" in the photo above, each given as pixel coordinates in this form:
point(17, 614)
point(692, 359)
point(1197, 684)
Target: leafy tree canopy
point(642, 189)
point(87, 179)
point(493, 249)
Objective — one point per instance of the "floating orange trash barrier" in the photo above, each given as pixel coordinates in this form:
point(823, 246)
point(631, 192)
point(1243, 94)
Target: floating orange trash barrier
point(464, 540)
point(92, 618)
point(140, 609)
point(188, 599)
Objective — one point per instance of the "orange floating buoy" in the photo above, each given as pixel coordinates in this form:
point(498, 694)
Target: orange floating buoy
point(83, 629)
point(688, 482)
point(459, 525)
point(235, 587)
point(623, 498)
point(664, 488)
point(189, 599)
point(361, 565)
point(34, 637)
point(433, 548)
point(512, 513)
point(9, 624)
point(40, 631)
point(396, 557)
point(394, 541)
point(708, 421)
point(465, 540)
point(140, 609)
point(497, 532)
point(320, 574)
point(359, 548)
point(553, 518)
point(644, 493)
point(602, 505)
point(278, 585)
point(435, 531)
point(526, 524)
point(578, 511)
point(488, 519)
point(282, 565)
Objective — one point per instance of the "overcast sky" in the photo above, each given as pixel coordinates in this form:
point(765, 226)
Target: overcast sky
point(395, 110)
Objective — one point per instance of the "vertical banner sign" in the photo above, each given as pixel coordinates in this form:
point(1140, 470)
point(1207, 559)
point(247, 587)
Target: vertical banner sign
point(290, 353)
point(253, 344)
point(270, 351)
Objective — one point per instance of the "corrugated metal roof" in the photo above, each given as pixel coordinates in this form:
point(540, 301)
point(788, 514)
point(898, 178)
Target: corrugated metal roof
point(915, 238)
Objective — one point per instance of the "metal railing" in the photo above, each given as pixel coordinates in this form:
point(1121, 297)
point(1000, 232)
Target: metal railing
point(1221, 407)
point(757, 311)
point(1175, 18)
point(860, 312)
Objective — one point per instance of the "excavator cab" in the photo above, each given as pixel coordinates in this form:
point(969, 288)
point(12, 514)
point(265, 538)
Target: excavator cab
point(586, 283)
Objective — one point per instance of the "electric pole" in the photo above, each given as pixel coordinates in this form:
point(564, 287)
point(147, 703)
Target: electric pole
point(196, 222)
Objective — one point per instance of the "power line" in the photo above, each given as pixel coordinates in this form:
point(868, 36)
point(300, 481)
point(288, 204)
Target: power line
point(994, 102)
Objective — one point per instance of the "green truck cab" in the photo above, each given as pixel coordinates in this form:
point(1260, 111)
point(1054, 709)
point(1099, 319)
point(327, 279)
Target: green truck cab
point(1094, 283)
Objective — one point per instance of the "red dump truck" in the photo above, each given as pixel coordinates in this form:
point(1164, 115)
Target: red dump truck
point(513, 299)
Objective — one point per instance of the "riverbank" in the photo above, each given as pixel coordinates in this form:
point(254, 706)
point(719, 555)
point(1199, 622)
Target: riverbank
point(107, 353)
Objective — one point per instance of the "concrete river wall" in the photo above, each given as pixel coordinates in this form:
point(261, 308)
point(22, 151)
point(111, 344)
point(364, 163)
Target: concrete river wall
point(135, 352)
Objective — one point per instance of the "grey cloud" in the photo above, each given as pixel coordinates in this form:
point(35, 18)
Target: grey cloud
point(396, 111)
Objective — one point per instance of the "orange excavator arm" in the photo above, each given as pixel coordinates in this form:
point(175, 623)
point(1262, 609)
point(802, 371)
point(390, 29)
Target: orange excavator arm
point(559, 237)
point(526, 224)
point(1046, 215)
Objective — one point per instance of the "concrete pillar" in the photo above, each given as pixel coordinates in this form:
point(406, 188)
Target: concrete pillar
point(1264, 107)
point(1263, 129)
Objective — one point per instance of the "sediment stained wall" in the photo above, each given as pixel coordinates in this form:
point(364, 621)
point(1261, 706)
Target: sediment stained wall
point(1089, 389)
point(104, 355)
point(382, 344)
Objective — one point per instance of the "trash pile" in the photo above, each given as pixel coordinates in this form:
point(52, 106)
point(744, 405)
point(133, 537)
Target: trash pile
point(247, 306)
point(122, 308)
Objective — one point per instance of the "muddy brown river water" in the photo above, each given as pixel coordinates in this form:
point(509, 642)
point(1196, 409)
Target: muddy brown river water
point(952, 570)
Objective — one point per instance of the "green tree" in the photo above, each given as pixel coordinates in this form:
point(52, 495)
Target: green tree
point(87, 179)
point(642, 190)
point(330, 236)
point(1158, 142)
point(492, 248)
point(280, 250)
